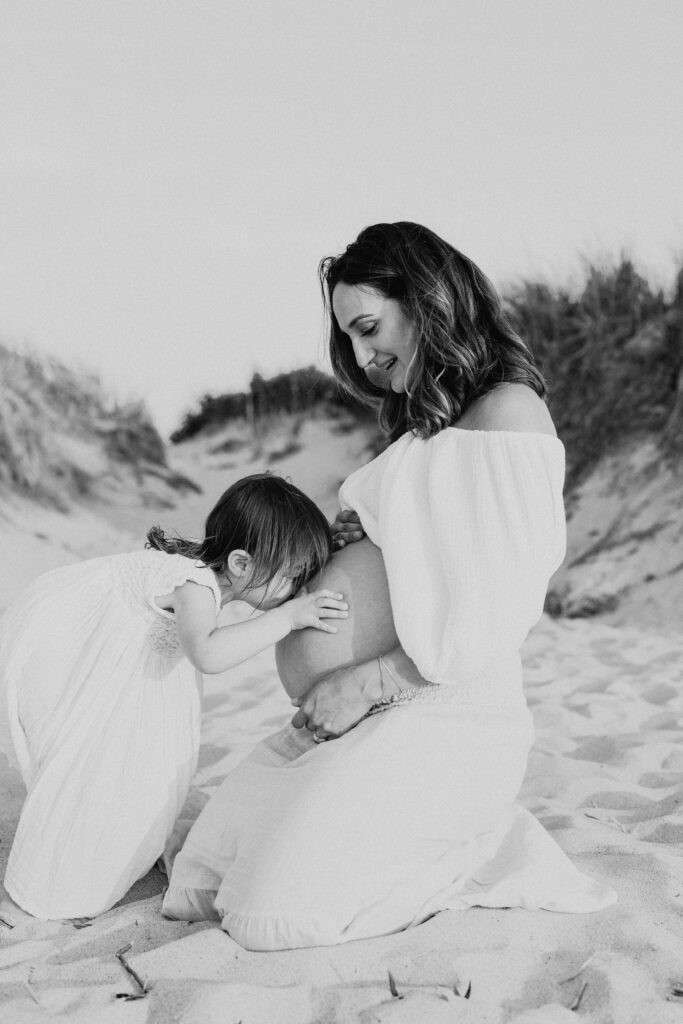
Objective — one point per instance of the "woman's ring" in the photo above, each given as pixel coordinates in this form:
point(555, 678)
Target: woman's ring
point(318, 739)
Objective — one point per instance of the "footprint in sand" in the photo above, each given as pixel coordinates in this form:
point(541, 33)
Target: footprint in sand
point(604, 749)
point(665, 659)
point(667, 832)
point(620, 800)
point(642, 808)
point(582, 709)
point(661, 694)
point(660, 780)
point(597, 686)
point(664, 720)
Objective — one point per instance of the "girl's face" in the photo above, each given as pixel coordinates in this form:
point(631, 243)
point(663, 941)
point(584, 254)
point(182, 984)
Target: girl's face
point(234, 584)
point(384, 340)
point(269, 595)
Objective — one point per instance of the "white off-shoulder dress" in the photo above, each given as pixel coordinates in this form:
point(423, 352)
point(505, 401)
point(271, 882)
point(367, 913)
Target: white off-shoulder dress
point(103, 710)
point(413, 811)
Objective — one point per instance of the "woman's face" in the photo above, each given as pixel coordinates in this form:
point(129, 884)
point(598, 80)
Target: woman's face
point(384, 340)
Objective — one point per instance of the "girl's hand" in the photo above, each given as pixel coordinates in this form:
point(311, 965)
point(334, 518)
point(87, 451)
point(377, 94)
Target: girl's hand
point(339, 701)
point(311, 609)
point(346, 529)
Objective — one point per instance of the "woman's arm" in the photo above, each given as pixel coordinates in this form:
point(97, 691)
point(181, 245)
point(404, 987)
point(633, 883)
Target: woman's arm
point(346, 529)
point(404, 671)
point(339, 701)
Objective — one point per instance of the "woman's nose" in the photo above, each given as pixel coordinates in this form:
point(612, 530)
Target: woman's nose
point(363, 352)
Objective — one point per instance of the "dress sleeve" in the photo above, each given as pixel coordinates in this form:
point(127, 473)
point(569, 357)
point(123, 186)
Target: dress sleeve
point(170, 571)
point(362, 490)
point(472, 526)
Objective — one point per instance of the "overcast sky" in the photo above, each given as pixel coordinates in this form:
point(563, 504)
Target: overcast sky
point(172, 172)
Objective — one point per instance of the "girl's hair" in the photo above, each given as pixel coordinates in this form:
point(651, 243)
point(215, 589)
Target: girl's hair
point(465, 344)
point(266, 516)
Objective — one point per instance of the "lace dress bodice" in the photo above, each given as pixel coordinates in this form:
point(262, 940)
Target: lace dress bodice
point(145, 576)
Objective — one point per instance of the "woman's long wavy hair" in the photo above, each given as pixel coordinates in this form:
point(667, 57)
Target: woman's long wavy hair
point(465, 344)
point(268, 517)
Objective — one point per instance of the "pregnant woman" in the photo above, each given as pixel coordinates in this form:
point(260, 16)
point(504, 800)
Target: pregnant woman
point(392, 795)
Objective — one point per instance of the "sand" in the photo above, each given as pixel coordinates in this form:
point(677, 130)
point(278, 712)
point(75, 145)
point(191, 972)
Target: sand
point(605, 778)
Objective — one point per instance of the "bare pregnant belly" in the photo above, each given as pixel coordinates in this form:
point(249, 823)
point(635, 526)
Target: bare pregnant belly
point(306, 655)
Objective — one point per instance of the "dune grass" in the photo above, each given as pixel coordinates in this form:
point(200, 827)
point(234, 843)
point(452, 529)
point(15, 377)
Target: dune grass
point(613, 355)
point(60, 432)
point(611, 348)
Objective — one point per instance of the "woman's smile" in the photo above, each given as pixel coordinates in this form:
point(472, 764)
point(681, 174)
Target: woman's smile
point(383, 338)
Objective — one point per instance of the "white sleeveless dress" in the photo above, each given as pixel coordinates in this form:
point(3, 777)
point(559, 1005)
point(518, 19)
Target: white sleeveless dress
point(413, 810)
point(103, 710)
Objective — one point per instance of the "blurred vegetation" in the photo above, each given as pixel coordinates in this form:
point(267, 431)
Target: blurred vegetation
point(612, 351)
point(59, 432)
point(613, 355)
point(299, 391)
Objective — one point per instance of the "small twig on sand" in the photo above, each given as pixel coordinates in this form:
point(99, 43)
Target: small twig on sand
point(392, 986)
point(466, 994)
point(30, 989)
point(583, 967)
point(6, 921)
point(577, 1002)
point(612, 822)
point(144, 988)
point(332, 968)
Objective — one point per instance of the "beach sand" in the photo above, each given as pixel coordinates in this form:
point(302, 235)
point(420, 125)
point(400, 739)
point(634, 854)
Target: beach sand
point(605, 777)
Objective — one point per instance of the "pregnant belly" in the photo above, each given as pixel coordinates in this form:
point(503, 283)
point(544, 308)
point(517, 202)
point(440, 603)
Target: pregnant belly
point(306, 655)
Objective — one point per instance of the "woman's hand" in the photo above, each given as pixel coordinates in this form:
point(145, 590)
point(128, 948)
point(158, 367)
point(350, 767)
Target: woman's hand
point(346, 529)
point(339, 701)
point(311, 609)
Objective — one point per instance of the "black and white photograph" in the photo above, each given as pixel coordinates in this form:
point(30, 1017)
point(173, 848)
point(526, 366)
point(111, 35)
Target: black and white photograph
point(341, 545)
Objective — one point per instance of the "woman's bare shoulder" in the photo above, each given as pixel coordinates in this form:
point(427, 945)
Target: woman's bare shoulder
point(513, 407)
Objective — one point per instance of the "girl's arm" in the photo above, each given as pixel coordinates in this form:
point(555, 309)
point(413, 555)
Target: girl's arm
point(339, 701)
point(213, 648)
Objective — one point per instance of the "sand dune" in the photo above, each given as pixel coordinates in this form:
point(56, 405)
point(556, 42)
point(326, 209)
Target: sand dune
point(605, 778)
point(624, 560)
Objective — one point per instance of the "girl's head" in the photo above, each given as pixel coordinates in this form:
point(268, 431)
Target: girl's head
point(282, 531)
point(417, 329)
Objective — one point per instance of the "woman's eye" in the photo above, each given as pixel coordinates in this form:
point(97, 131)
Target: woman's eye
point(370, 330)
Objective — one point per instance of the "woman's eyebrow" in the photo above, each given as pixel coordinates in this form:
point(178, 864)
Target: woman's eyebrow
point(355, 320)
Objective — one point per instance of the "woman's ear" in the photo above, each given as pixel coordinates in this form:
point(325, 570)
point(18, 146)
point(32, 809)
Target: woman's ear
point(239, 563)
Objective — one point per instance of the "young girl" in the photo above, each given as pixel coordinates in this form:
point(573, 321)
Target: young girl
point(100, 663)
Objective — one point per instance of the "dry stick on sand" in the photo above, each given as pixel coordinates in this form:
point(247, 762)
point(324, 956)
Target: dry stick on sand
point(577, 1002)
point(392, 986)
point(583, 967)
point(30, 989)
point(466, 994)
point(144, 988)
point(608, 821)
